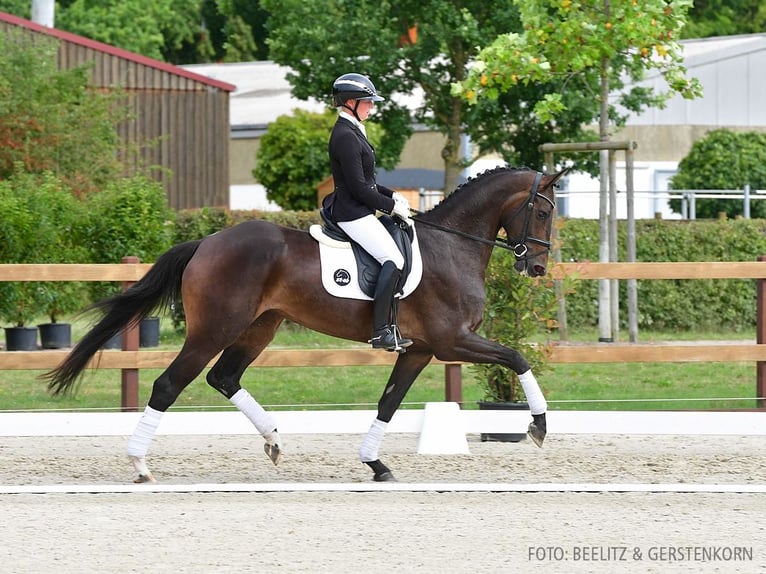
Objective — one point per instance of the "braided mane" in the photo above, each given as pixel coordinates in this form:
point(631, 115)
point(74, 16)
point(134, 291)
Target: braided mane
point(472, 182)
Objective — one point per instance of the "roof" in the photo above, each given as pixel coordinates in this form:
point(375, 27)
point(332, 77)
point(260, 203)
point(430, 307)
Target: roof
point(411, 178)
point(262, 92)
point(113, 51)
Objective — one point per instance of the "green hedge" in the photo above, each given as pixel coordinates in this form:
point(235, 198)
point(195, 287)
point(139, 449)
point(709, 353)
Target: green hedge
point(673, 305)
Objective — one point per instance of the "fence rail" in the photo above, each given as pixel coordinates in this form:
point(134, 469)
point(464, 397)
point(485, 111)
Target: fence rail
point(130, 359)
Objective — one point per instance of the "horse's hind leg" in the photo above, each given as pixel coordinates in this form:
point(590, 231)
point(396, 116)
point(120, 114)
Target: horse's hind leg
point(185, 367)
point(408, 366)
point(227, 372)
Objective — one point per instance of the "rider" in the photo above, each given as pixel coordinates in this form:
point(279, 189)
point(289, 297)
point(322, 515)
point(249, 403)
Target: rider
point(357, 196)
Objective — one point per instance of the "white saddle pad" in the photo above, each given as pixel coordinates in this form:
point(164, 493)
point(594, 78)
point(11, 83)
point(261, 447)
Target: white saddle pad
point(339, 272)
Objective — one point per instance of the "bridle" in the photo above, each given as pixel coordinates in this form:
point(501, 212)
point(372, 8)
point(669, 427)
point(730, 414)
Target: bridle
point(518, 248)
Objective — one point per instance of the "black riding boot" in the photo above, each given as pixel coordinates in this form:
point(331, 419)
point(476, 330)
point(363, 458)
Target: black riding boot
point(385, 333)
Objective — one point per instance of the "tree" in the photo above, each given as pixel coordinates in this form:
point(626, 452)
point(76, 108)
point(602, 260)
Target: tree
point(237, 29)
point(51, 121)
point(408, 49)
point(176, 31)
point(724, 160)
point(152, 28)
point(588, 44)
point(725, 18)
point(292, 158)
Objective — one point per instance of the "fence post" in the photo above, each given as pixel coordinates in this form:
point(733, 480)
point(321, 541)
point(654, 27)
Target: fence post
point(760, 338)
point(453, 384)
point(130, 343)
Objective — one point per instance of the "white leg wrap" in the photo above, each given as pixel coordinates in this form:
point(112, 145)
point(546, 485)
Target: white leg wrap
point(371, 443)
point(138, 444)
point(262, 420)
point(535, 398)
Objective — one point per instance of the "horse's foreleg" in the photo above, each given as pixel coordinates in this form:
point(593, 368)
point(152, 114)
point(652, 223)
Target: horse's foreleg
point(537, 405)
point(473, 348)
point(408, 366)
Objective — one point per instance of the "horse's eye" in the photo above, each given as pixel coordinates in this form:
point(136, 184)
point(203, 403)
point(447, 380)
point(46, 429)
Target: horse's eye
point(542, 215)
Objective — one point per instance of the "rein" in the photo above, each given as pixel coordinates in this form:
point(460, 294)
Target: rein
point(519, 249)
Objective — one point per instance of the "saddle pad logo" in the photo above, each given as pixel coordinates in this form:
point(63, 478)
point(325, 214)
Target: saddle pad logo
point(341, 277)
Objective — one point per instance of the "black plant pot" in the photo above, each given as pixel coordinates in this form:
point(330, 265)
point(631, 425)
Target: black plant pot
point(149, 332)
point(503, 437)
point(114, 343)
point(55, 335)
point(21, 338)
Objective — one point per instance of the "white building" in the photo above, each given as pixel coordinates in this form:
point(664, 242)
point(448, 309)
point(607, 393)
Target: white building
point(731, 71)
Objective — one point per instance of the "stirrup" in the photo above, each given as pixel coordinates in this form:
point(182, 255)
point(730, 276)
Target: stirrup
point(390, 339)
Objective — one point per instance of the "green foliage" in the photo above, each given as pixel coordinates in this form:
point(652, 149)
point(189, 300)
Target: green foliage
point(292, 158)
point(38, 217)
point(520, 310)
point(50, 120)
point(148, 27)
point(725, 18)
point(673, 305)
point(320, 41)
point(562, 39)
point(724, 159)
point(130, 216)
point(194, 224)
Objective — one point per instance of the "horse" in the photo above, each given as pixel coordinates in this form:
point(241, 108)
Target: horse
point(238, 285)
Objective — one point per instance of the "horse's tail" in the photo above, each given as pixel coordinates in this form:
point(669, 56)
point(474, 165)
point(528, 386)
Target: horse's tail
point(160, 287)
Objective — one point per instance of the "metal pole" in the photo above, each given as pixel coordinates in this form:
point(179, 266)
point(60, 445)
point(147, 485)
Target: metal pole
point(746, 199)
point(631, 249)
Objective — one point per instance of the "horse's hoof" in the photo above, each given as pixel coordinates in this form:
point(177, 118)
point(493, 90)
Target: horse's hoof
point(387, 476)
point(144, 478)
point(273, 452)
point(382, 472)
point(537, 429)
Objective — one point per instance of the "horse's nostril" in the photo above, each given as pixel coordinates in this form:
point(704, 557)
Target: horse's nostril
point(539, 270)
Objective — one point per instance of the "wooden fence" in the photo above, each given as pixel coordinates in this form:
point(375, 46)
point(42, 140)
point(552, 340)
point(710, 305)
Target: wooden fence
point(131, 359)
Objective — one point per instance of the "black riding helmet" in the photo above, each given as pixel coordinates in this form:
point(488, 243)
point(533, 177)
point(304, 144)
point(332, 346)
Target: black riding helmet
point(353, 87)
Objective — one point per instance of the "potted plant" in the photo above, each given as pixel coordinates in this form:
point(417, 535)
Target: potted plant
point(66, 212)
point(520, 313)
point(25, 235)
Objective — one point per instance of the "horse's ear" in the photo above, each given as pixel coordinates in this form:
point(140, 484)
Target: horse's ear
point(556, 176)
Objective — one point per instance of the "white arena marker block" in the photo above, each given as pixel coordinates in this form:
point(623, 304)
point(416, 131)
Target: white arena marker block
point(442, 431)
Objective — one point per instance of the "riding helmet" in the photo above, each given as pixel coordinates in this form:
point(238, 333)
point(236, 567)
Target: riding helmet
point(353, 87)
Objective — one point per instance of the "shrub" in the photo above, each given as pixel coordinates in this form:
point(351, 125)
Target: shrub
point(38, 218)
point(724, 159)
point(129, 217)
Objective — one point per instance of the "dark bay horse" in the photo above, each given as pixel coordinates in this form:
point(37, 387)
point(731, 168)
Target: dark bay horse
point(238, 285)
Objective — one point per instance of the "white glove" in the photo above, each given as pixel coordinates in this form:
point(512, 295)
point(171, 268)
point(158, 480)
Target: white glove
point(396, 196)
point(402, 210)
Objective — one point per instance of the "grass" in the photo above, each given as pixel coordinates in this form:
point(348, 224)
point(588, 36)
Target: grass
point(630, 386)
